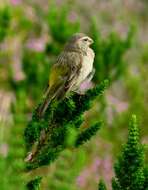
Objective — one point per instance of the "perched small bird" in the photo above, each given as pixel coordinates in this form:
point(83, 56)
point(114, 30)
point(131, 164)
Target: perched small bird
point(73, 67)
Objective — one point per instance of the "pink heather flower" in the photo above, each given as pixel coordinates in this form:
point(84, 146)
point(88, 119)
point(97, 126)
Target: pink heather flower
point(16, 2)
point(97, 169)
point(36, 45)
point(96, 164)
point(82, 178)
point(86, 85)
point(121, 28)
point(120, 106)
point(80, 181)
point(105, 5)
point(18, 73)
point(19, 76)
point(4, 150)
point(107, 169)
point(107, 165)
point(73, 16)
point(59, 2)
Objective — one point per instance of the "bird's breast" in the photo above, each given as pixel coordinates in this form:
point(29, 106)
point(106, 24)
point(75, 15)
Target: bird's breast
point(87, 66)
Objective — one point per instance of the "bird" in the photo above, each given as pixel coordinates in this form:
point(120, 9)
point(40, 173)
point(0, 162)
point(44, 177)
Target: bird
point(73, 66)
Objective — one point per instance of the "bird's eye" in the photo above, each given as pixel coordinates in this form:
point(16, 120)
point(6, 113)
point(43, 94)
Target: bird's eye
point(85, 39)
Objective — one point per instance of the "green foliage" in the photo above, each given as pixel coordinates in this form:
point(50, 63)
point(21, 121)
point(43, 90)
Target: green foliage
point(146, 178)
point(35, 67)
point(115, 185)
point(61, 28)
point(67, 168)
point(129, 169)
point(109, 62)
point(87, 134)
point(34, 184)
point(13, 164)
point(102, 185)
point(58, 118)
point(4, 22)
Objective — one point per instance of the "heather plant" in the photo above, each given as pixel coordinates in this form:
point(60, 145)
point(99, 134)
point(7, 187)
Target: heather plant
point(130, 169)
point(109, 63)
point(50, 135)
point(61, 179)
point(109, 60)
point(137, 94)
point(102, 185)
point(35, 67)
point(12, 161)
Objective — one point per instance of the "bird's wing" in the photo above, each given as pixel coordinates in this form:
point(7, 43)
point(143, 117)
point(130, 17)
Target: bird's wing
point(64, 72)
point(62, 77)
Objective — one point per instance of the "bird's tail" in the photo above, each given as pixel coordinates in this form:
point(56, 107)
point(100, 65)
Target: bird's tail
point(47, 100)
point(54, 92)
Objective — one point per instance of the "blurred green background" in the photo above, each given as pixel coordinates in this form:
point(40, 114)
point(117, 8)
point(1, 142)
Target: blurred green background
point(32, 33)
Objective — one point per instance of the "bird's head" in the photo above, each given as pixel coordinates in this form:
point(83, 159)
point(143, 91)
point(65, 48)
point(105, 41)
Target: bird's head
point(80, 40)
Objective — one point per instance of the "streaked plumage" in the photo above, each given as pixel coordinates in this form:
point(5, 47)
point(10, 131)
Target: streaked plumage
point(72, 67)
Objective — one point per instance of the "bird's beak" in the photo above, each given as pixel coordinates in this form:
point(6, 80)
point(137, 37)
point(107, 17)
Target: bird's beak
point(91, 41)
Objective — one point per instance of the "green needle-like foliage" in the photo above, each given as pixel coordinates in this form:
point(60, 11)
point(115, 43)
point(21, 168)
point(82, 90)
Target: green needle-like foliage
point(67, 168)
point(34, 184)
point(58, 119)
point(102, 185)
point(4, 22)
point(146, 178)
point(130, 172)
point(87, 134)
point(35, 67)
